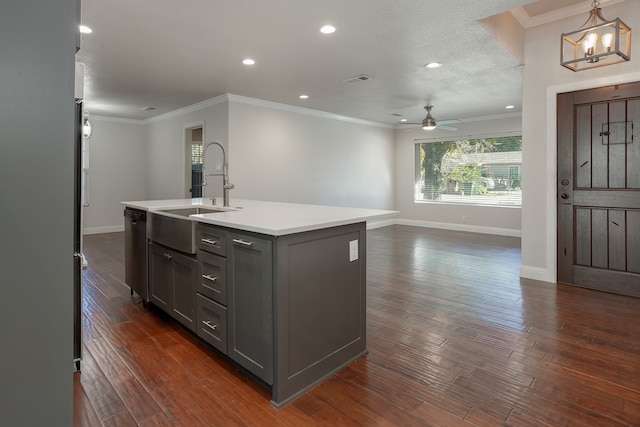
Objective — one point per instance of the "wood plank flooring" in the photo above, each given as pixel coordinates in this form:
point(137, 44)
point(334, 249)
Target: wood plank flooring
point(455, 338)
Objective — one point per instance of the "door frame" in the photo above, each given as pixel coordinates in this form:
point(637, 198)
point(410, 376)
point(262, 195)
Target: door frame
point(551, 274)
point(186, 161)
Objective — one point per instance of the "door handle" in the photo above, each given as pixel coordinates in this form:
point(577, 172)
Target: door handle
point(242, 242)
point(564, 196)
point(210, 325)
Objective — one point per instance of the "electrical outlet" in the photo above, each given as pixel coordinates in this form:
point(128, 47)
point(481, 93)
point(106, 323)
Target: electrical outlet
point(464, 219)
point(353, 250)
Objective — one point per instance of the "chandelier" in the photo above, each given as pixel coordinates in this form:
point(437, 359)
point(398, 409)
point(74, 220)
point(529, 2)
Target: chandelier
point(597, 43)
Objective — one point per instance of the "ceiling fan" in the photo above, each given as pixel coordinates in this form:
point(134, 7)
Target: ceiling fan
point(429, 123)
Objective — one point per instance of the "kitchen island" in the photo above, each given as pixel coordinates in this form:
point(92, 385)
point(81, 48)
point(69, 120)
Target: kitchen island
point(279, 288)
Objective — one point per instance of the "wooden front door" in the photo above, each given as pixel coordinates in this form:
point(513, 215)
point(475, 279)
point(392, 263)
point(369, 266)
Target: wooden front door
point(598, 189)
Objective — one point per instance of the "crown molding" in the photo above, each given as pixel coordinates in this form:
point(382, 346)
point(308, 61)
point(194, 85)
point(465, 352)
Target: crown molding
point(229, 97)
point(188, 109)
point(303, 110)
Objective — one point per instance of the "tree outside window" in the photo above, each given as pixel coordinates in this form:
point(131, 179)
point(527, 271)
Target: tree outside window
point(482, 171)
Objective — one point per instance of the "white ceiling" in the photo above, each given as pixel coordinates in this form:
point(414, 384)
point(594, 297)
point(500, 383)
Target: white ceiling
point(171, 54)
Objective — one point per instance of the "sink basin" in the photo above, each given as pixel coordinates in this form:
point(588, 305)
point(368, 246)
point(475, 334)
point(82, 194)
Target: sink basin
point(192, 211)
point(173, 228)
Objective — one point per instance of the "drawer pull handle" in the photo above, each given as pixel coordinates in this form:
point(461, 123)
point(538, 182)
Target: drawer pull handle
point(242, 242)
point(210, 242)
point(208, 323)
point(167, 256)
point(206, 276)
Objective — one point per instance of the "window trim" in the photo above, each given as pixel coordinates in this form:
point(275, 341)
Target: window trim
point(416, 180)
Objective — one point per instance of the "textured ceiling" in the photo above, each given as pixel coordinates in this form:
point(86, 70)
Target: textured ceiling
point(168, 55)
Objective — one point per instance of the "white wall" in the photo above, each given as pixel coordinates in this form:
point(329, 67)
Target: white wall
point(301, 156)
point(543, 79)
point(275, 152)
point(166, 156)
point(117, 171)
point(482, 219)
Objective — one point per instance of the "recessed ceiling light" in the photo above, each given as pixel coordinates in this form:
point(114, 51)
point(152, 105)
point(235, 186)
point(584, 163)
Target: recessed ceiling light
point(434, 65)
point(328, 29)
point(403, 120)
point(303, 96)
point(248, 61)
point(85, 30)
point(509, 107)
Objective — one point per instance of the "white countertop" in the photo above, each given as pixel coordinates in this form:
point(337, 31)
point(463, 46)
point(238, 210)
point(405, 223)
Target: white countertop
point(273, 218)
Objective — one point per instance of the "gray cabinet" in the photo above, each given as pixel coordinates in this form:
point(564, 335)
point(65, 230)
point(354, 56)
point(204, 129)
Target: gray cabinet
point(212, 286)
point(212, 323)
point(172, 283)
point(250, 303)
point(288, 309)
point(212, 277)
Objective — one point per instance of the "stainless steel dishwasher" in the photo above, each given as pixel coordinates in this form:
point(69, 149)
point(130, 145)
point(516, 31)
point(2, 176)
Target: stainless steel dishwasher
point(135, 252)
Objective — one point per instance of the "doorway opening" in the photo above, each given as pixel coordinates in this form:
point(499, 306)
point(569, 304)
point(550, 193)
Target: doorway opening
point(193, 145)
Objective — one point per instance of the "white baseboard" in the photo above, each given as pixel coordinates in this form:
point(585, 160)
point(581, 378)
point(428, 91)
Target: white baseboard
point(100, 230)
point(460, 227)
point(537, 273)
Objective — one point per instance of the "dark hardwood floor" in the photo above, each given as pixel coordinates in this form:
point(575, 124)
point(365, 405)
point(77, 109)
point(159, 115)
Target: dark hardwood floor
point(455, 337)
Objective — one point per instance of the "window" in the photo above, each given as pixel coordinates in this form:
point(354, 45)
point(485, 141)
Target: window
point(196, 169)
point(483, 171)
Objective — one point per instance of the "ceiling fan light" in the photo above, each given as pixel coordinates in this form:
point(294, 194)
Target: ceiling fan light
point(429, 123)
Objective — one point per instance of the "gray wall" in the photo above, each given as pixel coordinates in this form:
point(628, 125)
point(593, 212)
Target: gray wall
point(299, 156)
point(117, 171)
point(166, 150)
point(37, 44)
point(543, 79)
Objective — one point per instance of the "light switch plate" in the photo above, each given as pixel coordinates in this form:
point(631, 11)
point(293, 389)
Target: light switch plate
point(353, 250)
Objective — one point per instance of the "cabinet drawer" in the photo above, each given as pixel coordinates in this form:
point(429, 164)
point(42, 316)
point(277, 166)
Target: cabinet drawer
point(212, 276)
point(212, 239)
point(212, 323)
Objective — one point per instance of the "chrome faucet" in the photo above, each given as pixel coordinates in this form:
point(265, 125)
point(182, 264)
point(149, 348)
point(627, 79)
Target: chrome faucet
point(226, 185)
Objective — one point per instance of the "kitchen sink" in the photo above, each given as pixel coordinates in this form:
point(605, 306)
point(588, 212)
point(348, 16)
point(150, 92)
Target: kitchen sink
point(192, 211)
point(173, 227)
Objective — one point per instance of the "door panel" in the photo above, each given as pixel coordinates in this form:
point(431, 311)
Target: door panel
point(633, 241)
point(633, 150)
point(598, 188)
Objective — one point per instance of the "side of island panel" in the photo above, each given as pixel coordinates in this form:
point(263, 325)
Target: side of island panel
point(319, 306)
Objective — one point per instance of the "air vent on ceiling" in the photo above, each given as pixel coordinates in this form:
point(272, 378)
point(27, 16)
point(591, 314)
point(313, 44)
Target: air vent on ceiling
point(148, 108)
point(357, 79)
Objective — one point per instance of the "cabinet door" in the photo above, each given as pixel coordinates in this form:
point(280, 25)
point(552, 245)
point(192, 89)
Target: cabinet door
point(161, 276)
point(250, 304)
point(184, 290)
